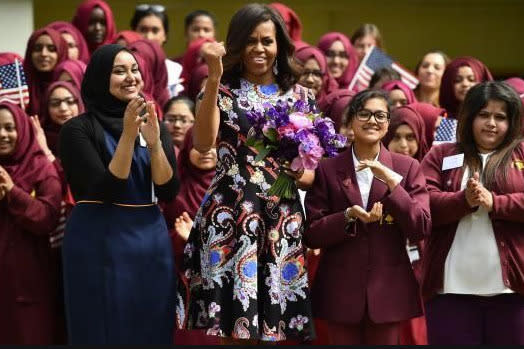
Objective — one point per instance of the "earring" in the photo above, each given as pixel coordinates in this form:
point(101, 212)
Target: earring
point(275, 68)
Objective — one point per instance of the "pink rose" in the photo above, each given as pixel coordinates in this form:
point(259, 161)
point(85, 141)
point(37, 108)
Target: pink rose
point(299, 120)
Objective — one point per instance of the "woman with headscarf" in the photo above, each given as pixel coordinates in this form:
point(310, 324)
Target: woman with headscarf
point(192, 59)
point(342, 60)
point(71, 71)
point(314, 74)
point(94, 19)
point(291, 19)
point(155, 58)
point(76, 44)
point(431, 116)
point(197, 81)
point(126, 37)
point(29, 205)
point(460, 75)
point(45, 50)
point(118, 160)
point(399, 94)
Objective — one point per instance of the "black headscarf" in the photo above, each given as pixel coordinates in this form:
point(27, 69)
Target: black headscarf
point(99, 102)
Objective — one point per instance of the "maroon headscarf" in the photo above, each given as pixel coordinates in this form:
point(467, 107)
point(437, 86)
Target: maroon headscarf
point(328, 83)
point(28, 164)
point(447, 97)
point(75, 68)
point(129, 36)
point(66, 27)
point(411, 117)
point(81, 21)
point(429, 114)
point(293, 24)
point(9, 57)
point(198, 75)
point(399, 85)
point(191, 59)
point(325, 43)
point(155, 59)
point(51, 128)
point(518, 85)
point(334, 104)
point(38, 81)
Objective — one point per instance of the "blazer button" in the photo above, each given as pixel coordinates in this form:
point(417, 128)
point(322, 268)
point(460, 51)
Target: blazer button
point(507, 282)
point(502, 244)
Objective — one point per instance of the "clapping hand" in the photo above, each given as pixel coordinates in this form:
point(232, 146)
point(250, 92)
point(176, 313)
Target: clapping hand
point(477, 194)
point(150, 128)
point(367, 217)
point(381, 172)
point(40, 136)
point(6, 183)
point(183, 225)
point(132, 118)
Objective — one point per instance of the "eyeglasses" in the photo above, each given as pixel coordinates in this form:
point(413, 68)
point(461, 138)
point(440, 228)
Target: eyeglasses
point(333, 54)
point(148, 7)
point(55, 102)
point(315, 73)
point(381, 117)
point(182, 120)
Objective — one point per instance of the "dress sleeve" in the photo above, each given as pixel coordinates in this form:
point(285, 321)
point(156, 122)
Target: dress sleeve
point(167, 191)
point(37, 212)
point(85, 171)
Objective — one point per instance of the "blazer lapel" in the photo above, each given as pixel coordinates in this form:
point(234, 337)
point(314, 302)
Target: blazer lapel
point(347, 178)
point(378, 188)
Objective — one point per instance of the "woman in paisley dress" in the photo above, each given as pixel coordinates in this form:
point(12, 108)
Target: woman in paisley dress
point(244, 261)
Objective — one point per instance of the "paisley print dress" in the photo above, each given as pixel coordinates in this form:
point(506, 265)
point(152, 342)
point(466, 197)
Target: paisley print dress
point(244, 261)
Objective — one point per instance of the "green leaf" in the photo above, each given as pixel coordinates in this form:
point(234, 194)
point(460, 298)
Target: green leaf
point(272, 135)
point(251, 141)
point(262, 153)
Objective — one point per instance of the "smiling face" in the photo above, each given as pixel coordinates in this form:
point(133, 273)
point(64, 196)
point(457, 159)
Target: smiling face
point(44, 55)
point(203, 161)
point(97, 26)
point(8, 133)
point(152, 28)
point(490, 126)
point(260, 53)
point(431, 70)
point(311, 76)
point(404, 141)
point(370, 132)
point(337, 59)
point(125, 82)
point(62, 105)
point(464, 80)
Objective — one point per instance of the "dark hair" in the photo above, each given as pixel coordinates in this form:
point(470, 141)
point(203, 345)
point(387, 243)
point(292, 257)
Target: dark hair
point(360, 99)
point(179, 99)
point(138, 15)
point(240, 28)
point(477, 98)
point(367, 29)
point(445, 56)
point(193, 15)
point(385, 72)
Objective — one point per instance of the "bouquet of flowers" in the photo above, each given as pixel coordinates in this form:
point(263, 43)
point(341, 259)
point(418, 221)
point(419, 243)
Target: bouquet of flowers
point(292, 134)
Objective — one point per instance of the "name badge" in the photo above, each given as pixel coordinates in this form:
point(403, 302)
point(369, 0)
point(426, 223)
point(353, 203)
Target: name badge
point(453, 161)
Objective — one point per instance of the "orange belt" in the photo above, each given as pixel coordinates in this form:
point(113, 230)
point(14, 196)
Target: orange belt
point(114, 203)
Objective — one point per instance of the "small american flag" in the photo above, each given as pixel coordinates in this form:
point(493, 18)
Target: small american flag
point(374, 60)
point(446, 131)
point(13, 85)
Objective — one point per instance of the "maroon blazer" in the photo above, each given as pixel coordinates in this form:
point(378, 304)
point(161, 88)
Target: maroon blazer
point(449, 205)
point(370, 270)
point(27, 280)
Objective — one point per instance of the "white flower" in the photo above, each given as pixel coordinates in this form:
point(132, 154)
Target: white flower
point(225, 103)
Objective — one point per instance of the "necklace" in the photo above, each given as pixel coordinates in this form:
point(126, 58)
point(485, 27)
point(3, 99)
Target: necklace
point(266, 91)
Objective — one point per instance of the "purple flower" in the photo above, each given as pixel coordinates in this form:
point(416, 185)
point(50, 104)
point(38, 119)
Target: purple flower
point(301, 107)
point(256, 119)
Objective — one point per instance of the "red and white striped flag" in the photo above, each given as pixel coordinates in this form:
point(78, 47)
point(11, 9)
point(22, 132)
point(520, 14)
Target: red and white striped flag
point(374, 60)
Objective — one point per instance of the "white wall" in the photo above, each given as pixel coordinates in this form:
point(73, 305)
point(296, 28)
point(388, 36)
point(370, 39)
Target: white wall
point(16, 25)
